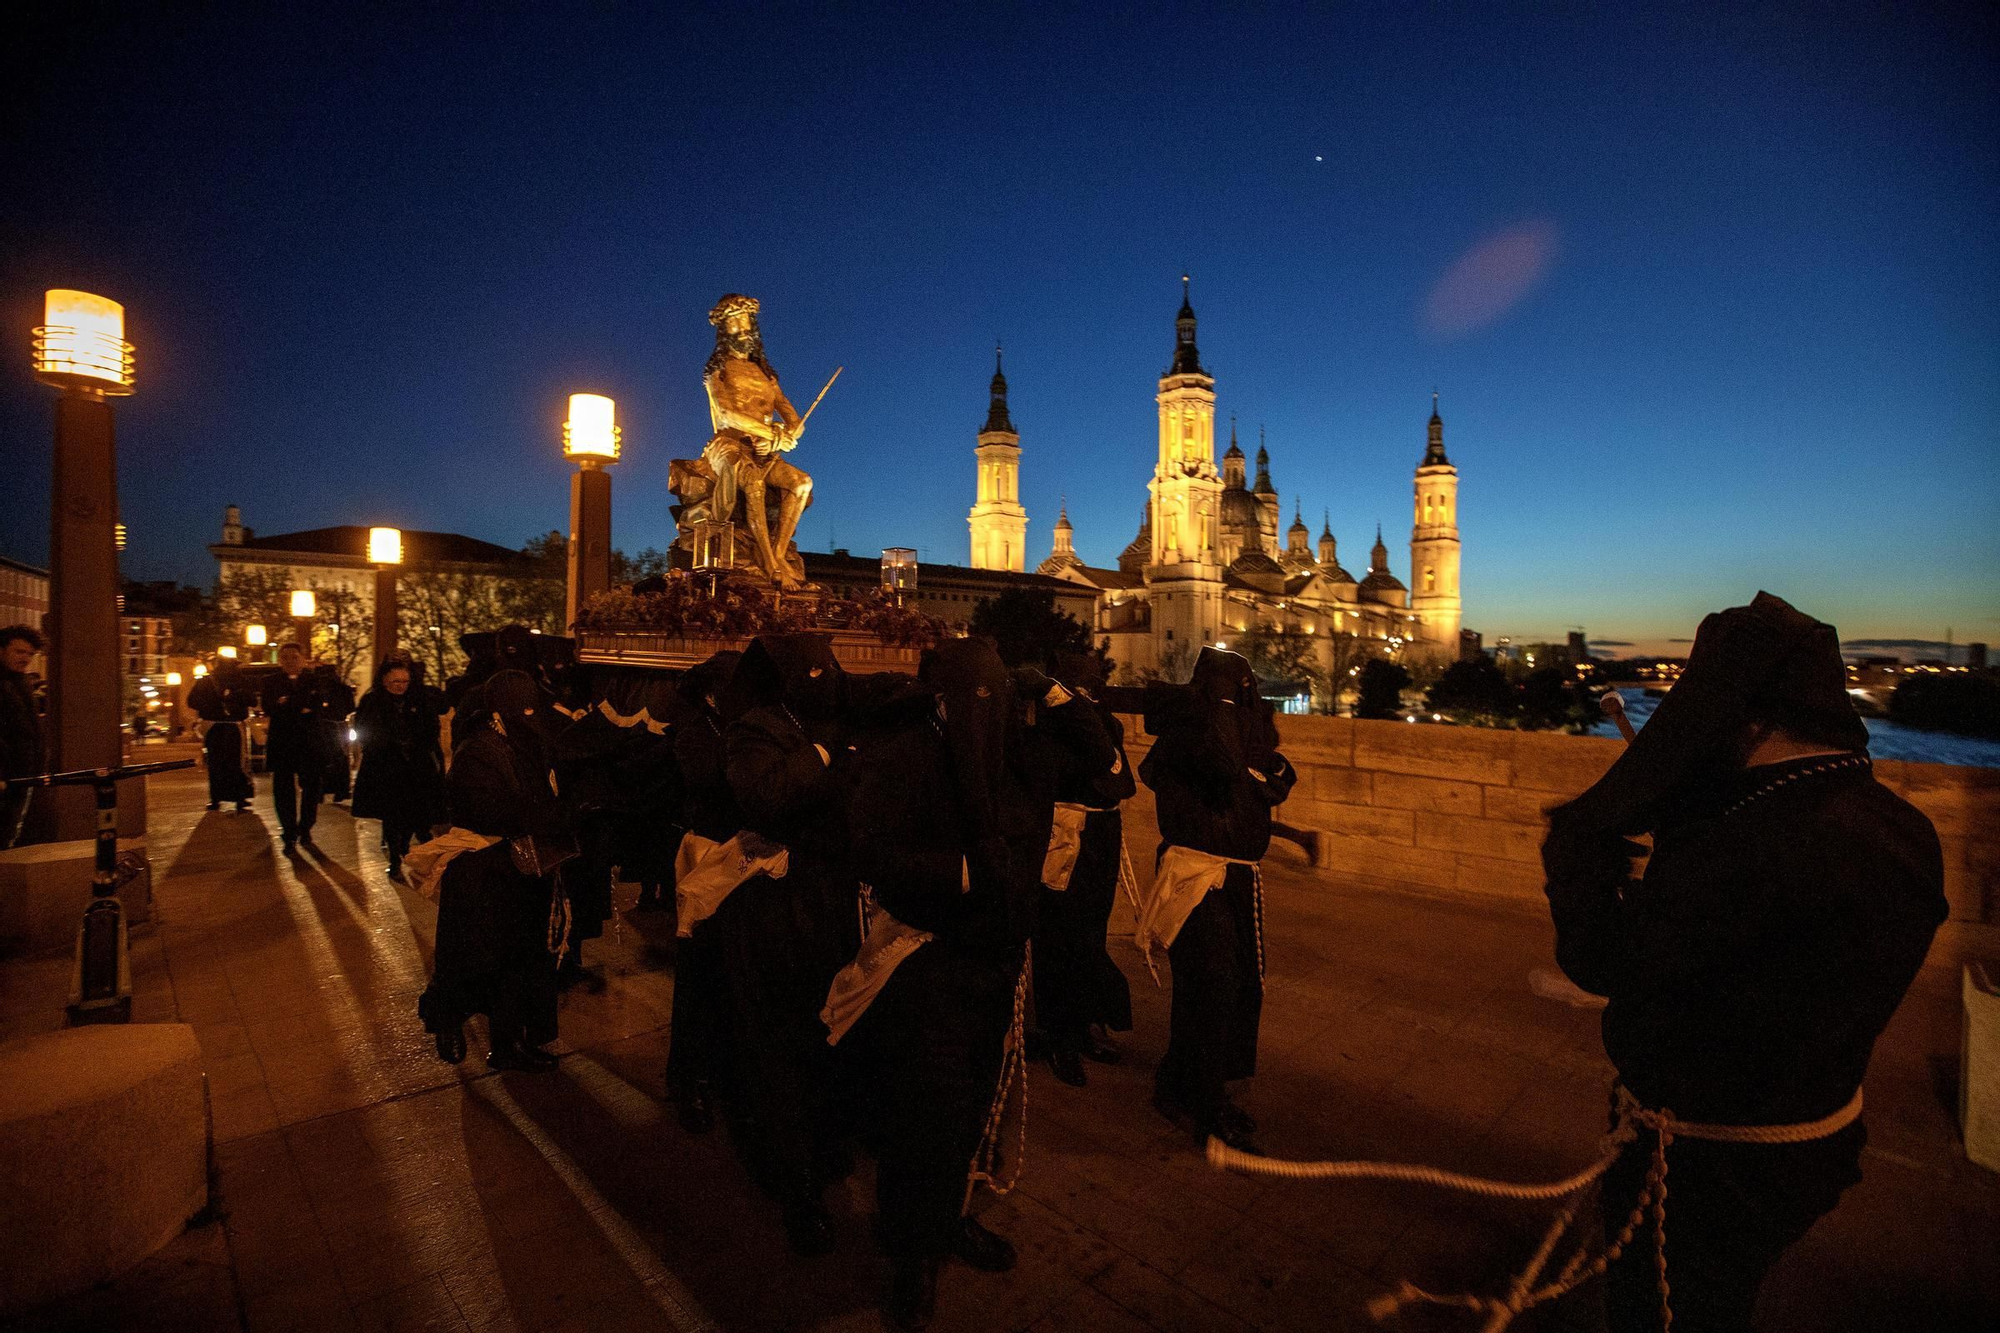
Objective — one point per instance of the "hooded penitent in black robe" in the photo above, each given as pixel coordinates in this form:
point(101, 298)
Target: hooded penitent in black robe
point(951, 842)
point(494, 923)
point(694, 1059)
point(223, 699)
point(1783, 914)
point(401, 781)
point(1076, 983)
point(1216, 773)
point(780, 941)
point(296, 751)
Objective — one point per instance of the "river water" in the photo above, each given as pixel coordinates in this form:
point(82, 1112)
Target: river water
point(1886, 740)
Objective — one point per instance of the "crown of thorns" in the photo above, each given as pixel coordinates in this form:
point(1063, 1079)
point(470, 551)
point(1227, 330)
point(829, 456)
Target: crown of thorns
point(732, 304)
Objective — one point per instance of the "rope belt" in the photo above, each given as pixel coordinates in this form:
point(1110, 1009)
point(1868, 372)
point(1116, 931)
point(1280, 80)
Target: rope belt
point(1523, 1293)
point(1013, 1067)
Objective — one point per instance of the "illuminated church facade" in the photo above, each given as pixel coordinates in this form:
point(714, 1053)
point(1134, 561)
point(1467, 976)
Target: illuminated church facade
point(1208, 562)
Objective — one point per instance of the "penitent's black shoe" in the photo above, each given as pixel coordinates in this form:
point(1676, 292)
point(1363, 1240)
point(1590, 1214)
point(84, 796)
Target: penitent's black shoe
point(519, 1055)
point(1068, 1067)
point(1102, 1049)
point(694, 1106)
point(1230, 1136)
point(451, 1045)
point(809, 1227)
point(1236, 1118)
point(984, 1250)
point(912, 1294)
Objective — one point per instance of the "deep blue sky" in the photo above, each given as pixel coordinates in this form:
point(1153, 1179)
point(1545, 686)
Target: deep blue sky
point(366, 252)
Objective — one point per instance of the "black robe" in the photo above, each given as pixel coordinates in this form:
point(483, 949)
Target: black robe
point(1749, 973)
point(1216, 774)
point(224, 706)
point(401, 780)
point(493, 927)
point(964, 865)
point(696, 1052)
point(1078, 750)
point(779, 943)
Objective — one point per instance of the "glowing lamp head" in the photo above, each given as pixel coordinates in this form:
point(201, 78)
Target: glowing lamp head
point(173, 678)
point(118, 533)
point(592, 431)
point(256, 636)
point(227, 650)
point(303, 604)
point(200, 670)
point(899, 569)
point(385, 546)
point(81, 343)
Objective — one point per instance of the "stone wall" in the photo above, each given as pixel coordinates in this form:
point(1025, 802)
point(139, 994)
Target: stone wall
point(1460, 808)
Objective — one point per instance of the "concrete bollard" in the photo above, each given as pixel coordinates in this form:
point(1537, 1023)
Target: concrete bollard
point(103, 1151)
point(1979, 1086)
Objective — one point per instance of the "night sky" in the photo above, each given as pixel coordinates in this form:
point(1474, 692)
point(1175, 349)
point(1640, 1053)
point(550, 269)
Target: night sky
point(1712, 304)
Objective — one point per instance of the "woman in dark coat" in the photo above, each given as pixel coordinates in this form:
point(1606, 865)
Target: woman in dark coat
point(1216, 773)
point(223, 700)
point(401, 781)
point(498, 927)
point(780, 941)
point(1076, 983)
point(707, 810)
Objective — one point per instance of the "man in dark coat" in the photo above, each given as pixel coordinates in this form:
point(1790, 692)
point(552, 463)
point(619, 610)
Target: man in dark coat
point(401, 781)
point(222, 700)
point(1076, 983)
point(1216, 773)
point(295, 702)
point(780, 941)
point(707, 811)
point(498, 923)
point(1788, 904)
point(950, 838)
point(22, 752)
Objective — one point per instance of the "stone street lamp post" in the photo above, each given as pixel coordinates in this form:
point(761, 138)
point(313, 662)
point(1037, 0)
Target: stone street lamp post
point(593, 438)
point(385, 552)
point(80, 350)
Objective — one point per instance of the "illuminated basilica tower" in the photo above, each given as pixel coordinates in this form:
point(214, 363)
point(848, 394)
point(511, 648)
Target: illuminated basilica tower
point(1184, 572)
point(999, 524)
point(1434, 594)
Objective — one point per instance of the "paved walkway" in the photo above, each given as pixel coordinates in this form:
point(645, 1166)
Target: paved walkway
point(362, 1184)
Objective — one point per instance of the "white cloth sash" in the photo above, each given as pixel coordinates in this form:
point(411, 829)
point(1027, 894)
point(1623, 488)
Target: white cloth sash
point(423, 864)
point(1185, 877)
point(887, 944)
point(1065, 841)
point(706, 872)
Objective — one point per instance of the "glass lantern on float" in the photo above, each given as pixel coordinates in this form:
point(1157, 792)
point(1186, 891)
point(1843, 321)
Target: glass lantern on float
point(714, 550)
point(899, 572)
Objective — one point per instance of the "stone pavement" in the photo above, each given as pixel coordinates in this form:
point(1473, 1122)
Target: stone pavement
point(362, 1184)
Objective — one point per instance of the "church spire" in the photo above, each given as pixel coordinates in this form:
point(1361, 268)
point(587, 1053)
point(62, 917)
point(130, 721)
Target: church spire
point(1187, 359)
point(1434, 447)
point(1264, 486)
point(996, 415)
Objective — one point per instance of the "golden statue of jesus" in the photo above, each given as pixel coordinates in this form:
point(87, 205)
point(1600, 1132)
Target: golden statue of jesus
point(755, 426)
